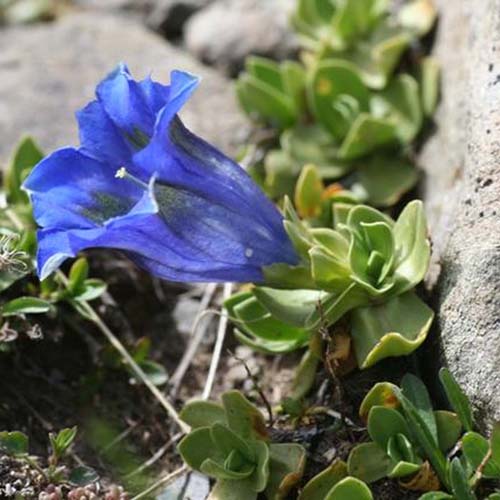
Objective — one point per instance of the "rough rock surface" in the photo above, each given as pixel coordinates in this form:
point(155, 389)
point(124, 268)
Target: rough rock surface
point(169, 16)
point(462, 163)
point(49, 71)
point(227, 31)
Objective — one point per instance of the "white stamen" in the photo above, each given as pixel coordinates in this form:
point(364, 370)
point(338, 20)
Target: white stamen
point(248, 253)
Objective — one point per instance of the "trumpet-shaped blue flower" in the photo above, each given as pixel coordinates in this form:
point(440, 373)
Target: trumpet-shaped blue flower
point(140, 182)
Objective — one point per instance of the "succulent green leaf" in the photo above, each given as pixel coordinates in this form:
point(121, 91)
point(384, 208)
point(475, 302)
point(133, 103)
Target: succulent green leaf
point(385, 179)
point(320, 485)
point(369, 462)
point(403, 469)
point(83, 476)
point(436, 495)
point(267, 102)
point(218, 471)
point(265, 70)
point(459, 482)
point(197, 447)
point(233, 490)
point(449, 429)
point(414, 389)
point(92, 289)
point(457, 398)
point(412, 246)
point(475, 448)
point(366, 135)
point(337, 95)
point(227, 441)
point(243, 417)
point(287, 462)
point(293, 307)
point(430, 74)
point(384, 423)
point(395, 328)
point(308, 191)
point(202, 414)
point(399, 103)
point(259, 330)
point(381, 394)
point(333, 306)
point(348, 489)
point(328, 272)
point(494, 496)
point(14, 443)
point(25, 305)
point(281, 173)
point(260, 477)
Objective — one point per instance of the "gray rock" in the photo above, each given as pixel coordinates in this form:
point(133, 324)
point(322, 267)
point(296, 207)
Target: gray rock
point(462, 191)
point(49, 71)
point(227, 31)
point(169, 16)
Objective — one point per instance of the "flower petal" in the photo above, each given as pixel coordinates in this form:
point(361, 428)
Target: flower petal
point(70, 190)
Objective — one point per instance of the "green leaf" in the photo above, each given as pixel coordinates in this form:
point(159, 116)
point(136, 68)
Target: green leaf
point(369, 462)
point(494, 496)
point(449, 429)
point(290, 306)
point(457, 398)
point(25, 305)
point(308, 191)
point(91, 290)
point(218, 471)
point(412, 246)
point(459, 483)
point(61, 441)
point(430, 74)
point(287, 463)
point(399, 104)
point(436, 495)
point(423, 437)
point(320, 485)
point(366, 135)
point(381, 394)
point(155, 372)
point(495, 443)
point(305, 375)
point(227, 441)
point(386, 179)
point(25, 157)
point(197, 447)
point(83, 476)
point(77, 275)
point(383, 423)
point(14, 443)
point(243, 417)
point(414, 389)
point(233, 490)
point(337, 95)
point(260, 477)
point(202, 414)
point(328, 271)
point(396, 328)
point(475, 448)
point(259, 330)
point(348, 489)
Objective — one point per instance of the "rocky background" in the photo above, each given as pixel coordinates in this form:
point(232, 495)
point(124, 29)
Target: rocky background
point(49, 70)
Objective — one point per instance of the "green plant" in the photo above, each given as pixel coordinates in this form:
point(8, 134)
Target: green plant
point(363, 32)
point(411, 441)
point(230, 443)
point(366, 266)
point(334, 483)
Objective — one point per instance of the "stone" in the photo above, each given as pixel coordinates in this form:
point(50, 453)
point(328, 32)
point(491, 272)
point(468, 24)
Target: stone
point(227, 31)
point(169, 16)
point(50, 71)
point(462, 194)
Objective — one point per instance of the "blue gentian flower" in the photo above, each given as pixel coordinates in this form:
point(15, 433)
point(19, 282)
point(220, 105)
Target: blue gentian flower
point(140, 182)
